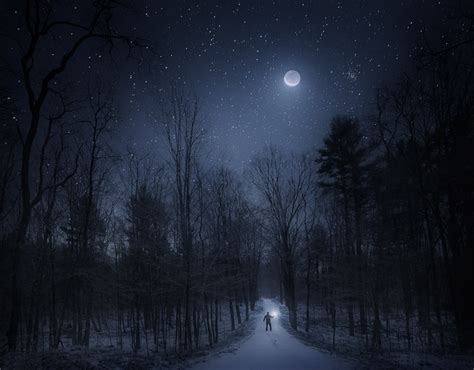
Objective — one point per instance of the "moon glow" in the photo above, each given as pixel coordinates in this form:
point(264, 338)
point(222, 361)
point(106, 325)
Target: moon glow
point(292, 78)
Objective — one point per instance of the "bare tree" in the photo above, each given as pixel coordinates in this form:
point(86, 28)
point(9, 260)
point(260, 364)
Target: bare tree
point(282, 182)
point(183, 127)
point(40, 24)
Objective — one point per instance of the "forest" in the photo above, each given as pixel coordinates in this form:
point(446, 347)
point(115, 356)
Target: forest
point(367, 239)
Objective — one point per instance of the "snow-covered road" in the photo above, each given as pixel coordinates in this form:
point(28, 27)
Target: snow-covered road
point(275, 350)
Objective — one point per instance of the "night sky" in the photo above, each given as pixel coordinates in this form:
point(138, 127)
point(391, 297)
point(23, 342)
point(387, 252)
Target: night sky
point(234, 55)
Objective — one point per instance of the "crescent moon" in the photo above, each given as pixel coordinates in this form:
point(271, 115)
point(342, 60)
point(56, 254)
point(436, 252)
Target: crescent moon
point(292, 78)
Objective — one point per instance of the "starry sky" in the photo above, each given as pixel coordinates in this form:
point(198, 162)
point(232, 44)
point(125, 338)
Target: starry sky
point(234, 55)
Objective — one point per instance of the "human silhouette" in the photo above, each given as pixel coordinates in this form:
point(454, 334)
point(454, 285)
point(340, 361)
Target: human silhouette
point(268, 321)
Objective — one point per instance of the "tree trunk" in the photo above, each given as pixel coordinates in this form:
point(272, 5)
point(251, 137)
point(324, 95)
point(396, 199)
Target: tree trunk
point(332, 309)
point(231, 312)
point(216, 323)
point(308, 290)
point(350, 314)
point(237, 311)
point(208, 321)
point(376, 340)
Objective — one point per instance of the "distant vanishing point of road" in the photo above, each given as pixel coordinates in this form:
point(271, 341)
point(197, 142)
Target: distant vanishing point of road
point(275, 350)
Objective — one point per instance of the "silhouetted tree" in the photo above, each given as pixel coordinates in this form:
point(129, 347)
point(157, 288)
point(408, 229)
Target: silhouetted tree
point(343, 161)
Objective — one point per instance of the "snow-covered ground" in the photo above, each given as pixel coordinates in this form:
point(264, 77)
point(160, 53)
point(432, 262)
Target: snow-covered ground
point(276, 350)
point(247, 347)
point(393, 355)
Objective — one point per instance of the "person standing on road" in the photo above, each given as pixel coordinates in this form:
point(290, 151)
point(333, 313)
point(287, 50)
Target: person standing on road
point(268, 321)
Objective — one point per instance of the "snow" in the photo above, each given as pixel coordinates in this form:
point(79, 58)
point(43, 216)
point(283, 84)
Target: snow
point(393, 355)
point(276, 350)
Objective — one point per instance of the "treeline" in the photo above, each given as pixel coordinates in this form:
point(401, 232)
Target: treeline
point(101, 245)
point(123, 249)
point(375, 230)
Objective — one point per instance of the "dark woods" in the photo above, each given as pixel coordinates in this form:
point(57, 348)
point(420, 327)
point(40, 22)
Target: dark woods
point(96, 243)
point(398, 211)
point(371, 234)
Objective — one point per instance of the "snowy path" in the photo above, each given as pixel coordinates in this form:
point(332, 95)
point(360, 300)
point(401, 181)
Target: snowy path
point(275, 350)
